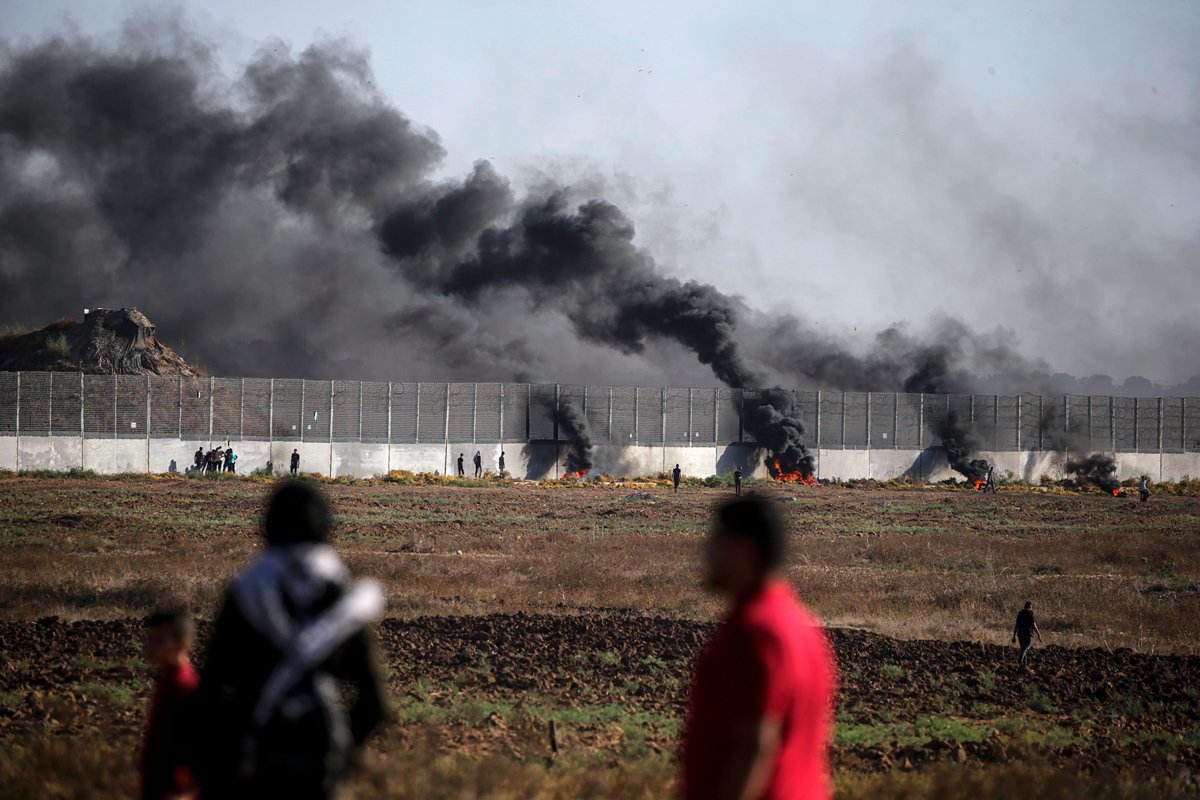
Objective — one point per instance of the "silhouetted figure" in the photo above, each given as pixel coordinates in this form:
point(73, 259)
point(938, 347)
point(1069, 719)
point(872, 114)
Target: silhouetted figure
point(737, 482)
point(501, 463)
point(1144, 489)
point(290, 638)
point(230, 460)
point(461, 472)
point(1023, 632)
point(676, 474)
point(990, 486)
point(759, 718)
point(295, 461)
point(478, 464)
point(164, 759)
point(199, 459)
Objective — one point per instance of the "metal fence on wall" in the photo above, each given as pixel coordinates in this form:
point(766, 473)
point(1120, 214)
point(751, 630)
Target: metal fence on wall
point(262, 409)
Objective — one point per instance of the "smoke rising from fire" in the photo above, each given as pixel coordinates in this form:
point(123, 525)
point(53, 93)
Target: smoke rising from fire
point(572, 426)
point(958, 442)
point(1098, 469)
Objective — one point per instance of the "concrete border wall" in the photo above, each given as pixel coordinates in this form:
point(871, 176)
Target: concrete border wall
point(533, 460)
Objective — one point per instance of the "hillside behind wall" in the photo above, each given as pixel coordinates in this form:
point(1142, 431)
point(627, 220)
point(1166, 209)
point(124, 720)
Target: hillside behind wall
point(126, 423)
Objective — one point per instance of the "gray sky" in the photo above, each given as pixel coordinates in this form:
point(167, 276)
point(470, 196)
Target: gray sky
point(1029, 165)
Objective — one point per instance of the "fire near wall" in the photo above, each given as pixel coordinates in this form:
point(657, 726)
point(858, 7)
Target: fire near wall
point(118, 423)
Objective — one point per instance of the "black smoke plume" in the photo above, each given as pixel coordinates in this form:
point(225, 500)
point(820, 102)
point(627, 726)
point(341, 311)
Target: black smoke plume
point(1097, 469)
point(573, 427)
point(775, 424)
point(959, 441)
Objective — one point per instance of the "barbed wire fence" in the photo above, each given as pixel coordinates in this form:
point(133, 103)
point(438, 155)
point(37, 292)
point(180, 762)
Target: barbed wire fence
point(283, 409)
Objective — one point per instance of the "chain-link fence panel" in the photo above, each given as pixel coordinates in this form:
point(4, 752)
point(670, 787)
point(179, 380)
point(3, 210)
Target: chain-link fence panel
point(542, 400)
point(1124, 421)
point(227, 409)
point(1030, 433)
point(1145, 412)
point(404, 412)
point(287, 409)
point(164, 407)
point(347, 411)
point(192, 416)
point(66, 401)
point(1099, 415)
point(855, 410)
point(99, 406)
point(704, 416)
point(983, 414)
point(315, 406)
point(131, 407)
point(804, 405)
point(677, 416)
point(831, 407)
point(35, 403)
point(881, 430)
point(937, 407)
point(572, 397)
point(516, 412)
point(373, 413)
point(908, 421)
point(8, 402)
point(256, 409)
point(598, 406)
point(1191, 425)
point(1007, 432)
point(431, 422)
point(624, 416)
point(751, 402)
point(487, 412)
point(729, 416)
point(462, 412)
point(1172, 425)
point(650, 416)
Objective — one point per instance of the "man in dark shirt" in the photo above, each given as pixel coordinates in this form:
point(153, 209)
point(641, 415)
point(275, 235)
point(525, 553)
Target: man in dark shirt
point(501, 463)
point(295, 461)
point(478, 464)
point(290, 638)
point(737, 482)
point(676, 474)
point(1023, 632)
point(199, 458)
point(462, 473)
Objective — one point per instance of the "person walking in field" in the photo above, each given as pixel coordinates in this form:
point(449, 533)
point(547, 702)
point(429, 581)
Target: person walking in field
point(1023, 631)
point(1143, 489)
point(737, 482)
point(461, 472)
point(295, 466)
point(478, 464)
point(163, 767)
point(990, 486)
point(760, 710)
point(291, 686)
point(676, 474)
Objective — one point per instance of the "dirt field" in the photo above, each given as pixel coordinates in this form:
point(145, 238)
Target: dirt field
point(514, 605)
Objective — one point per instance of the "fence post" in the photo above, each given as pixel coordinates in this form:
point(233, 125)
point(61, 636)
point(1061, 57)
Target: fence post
point(1137, 440)
point(114, 427)
point(995, 422)
point(474, 412)
point(446, 430)
point(843, 420)
point(636, 426)
point(691, 433)
point(1020, 405)
point(147, 423)
point(818, 418)
point(242, 412)
point(212, 382)
point(921, 423)
point(502, 417)
point(1112, 424)
point(417, 435)
point(331, 391)
point(18, 459)
point(303, 397)
point(50, 407)
point(271, 425)
point(895, 418)
point(82, 444)
point(360, 401)
point(179, 410)
point(1160, 424)
point(389, 427)
point(1067, 418)
point(716, 417)
point(868, 420)
point(610, 428)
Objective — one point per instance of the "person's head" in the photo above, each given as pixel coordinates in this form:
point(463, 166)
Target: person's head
point(168, 637)
point(745, 546)
point(295, 452)
point(676, 466)
point(296, 513)
point(1029, 605)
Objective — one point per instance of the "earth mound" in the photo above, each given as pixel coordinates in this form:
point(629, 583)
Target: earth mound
point(108, 341)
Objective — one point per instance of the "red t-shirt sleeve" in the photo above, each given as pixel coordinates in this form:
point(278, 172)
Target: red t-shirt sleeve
point(760, 686)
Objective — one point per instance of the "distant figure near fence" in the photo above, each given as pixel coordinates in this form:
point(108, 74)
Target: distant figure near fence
point(230, 460)
point(1023, 632)
point(290, 635)
point(501, 463)
point(676, 475)
point(295, 466)
point(198, 466)
point(737, 482)
point(1143, 489)
point(760, 710)
point(990, 486)
point(462, 473)
point(478, 464)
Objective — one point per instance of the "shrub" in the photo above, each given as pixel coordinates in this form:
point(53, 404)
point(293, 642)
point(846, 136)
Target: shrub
point(58, 346)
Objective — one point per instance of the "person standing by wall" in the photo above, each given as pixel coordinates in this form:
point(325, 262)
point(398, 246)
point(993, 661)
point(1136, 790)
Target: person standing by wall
point(295, 465)
point(478, 464)
point(737, 482)
point(676, 475)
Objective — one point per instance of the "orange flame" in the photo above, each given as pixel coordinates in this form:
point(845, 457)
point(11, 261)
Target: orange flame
point(1118, 493)
point(577, 475)
point(979, 484)
point(791, 477)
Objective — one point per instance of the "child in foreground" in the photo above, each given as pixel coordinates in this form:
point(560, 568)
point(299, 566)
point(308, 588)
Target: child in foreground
point(163, 771)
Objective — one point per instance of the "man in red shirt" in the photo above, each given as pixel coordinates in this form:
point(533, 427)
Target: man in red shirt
point(761, 705)
point(163, 770)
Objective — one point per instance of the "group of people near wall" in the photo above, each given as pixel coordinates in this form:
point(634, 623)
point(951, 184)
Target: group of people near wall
point(218, 459)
